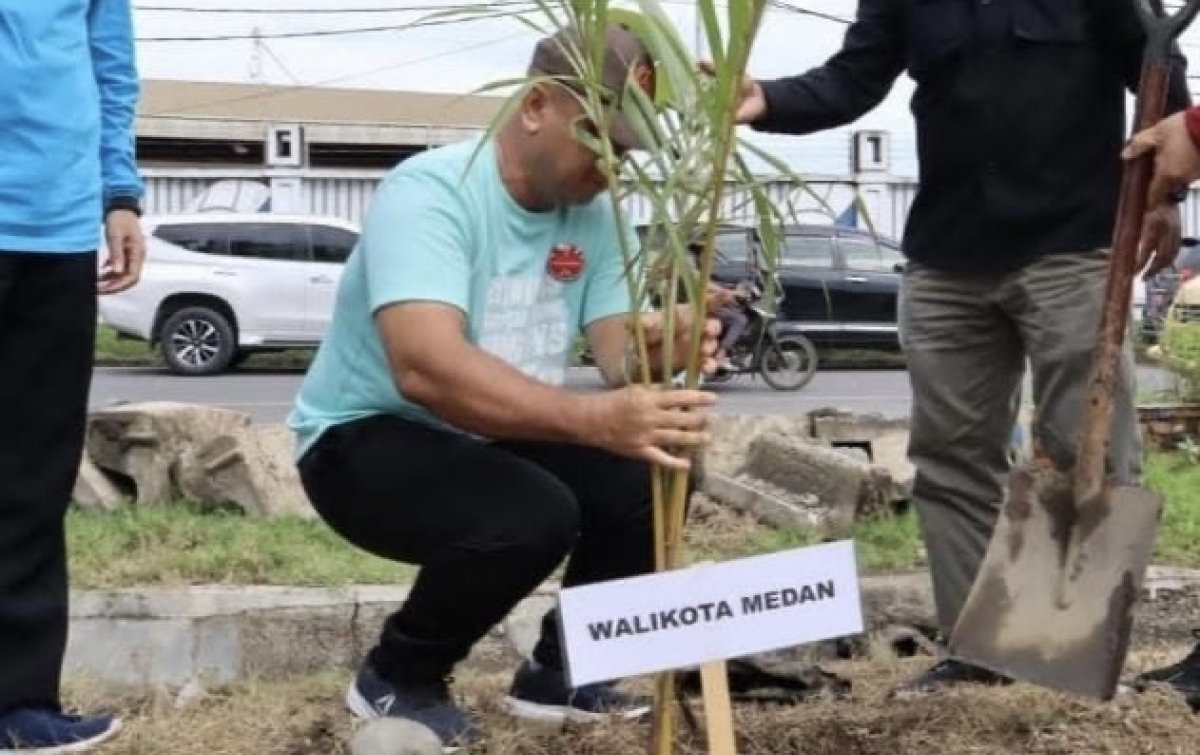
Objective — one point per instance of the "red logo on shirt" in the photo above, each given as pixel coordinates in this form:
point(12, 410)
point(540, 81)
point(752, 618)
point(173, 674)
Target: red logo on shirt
point(565, 263)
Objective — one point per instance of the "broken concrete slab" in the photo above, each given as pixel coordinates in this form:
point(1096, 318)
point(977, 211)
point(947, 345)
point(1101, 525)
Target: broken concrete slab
point(890, 452)
point(772, 508)
point(733, 433)
point(847, 488)
point(251, 468)
point(94, 490)
point(841, 426)
point(142, 441)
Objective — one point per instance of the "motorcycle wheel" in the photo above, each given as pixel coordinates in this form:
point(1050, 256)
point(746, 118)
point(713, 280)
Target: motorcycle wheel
point(788, 363)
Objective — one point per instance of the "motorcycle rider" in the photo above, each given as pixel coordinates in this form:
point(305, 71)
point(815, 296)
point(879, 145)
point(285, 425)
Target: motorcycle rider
point(728, 304)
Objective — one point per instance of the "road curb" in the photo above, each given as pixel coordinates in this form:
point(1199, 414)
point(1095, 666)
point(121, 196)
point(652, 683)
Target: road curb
point(155, 638)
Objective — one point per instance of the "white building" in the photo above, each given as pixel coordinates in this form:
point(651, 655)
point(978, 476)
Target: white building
point(323, 150)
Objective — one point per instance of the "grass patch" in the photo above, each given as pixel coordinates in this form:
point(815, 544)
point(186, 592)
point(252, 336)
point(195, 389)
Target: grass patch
point(1178, 480)
point(883, 544)
point(836, 358)
point(181, 545)
point(893, 543)
point(114, 351)
point(111, 349)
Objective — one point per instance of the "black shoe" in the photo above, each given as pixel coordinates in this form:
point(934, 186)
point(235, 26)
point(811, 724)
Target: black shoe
point(427, 703)
point(1183, 677)
point(540, 693)
point(947, 673)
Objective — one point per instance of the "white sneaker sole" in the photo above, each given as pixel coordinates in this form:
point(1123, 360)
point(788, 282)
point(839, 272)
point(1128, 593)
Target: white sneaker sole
point(82, 745)
point(558, 714)
point(363, 711)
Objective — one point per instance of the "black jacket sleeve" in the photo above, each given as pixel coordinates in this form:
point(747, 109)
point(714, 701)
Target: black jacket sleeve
point(1120, 31)
point(857, 78)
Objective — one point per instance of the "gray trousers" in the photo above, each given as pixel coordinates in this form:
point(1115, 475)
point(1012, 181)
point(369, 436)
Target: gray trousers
point(967, 342)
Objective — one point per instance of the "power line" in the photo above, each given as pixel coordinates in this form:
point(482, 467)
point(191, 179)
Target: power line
point(281, 91)
point(525, 7)
point(282, 35)
point(335, 32)
point(283, 66)
point(781, 5)
point(778, 4)
point(307, 11)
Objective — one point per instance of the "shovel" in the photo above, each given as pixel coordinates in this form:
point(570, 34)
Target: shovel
point(1053, 600)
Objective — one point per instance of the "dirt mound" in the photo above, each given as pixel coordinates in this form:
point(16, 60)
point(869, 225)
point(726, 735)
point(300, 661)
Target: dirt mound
point(307, 718)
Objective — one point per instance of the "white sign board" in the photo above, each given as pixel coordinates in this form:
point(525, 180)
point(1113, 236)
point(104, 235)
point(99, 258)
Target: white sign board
point(687, 617)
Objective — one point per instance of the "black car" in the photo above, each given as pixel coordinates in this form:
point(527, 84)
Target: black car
point(840, 285)
point(1160, 290)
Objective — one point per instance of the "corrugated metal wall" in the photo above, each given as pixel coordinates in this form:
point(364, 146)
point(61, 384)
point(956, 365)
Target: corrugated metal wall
point(166, 195)
point(348, 195)
point(341, 197)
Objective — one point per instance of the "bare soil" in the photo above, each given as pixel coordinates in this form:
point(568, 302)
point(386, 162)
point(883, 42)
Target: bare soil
point(306, 717)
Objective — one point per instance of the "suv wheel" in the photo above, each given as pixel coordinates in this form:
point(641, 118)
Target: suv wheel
point(197, 341)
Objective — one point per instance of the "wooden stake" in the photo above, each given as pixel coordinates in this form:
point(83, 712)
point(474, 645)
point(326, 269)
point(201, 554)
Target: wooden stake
point(718, 708)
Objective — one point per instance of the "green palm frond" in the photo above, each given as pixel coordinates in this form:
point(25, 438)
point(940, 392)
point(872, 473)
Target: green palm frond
point(696, 176)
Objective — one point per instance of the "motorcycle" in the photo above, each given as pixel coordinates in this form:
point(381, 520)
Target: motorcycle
point(786, 361)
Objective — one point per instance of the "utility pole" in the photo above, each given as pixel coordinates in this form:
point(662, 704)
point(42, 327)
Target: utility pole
point(256, 56)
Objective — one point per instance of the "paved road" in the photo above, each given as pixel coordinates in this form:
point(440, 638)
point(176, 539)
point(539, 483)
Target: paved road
point(267, 396)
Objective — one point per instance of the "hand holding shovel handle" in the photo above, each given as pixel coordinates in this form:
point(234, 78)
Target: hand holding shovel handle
point(1090, 470)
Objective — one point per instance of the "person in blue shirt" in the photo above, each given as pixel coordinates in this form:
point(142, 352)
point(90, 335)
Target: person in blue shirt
point(433, 429)
point(67, 169)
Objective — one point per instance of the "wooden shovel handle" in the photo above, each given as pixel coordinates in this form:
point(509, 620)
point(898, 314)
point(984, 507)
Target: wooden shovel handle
point(1096, 428)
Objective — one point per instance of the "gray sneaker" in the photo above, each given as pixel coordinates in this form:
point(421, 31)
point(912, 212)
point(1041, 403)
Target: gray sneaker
point(427, 703)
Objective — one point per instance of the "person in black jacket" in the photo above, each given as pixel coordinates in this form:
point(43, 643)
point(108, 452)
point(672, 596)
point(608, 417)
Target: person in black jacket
point(1020, 118)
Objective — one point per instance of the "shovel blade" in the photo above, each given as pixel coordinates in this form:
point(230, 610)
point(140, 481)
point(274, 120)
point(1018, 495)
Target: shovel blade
point(1014, 622)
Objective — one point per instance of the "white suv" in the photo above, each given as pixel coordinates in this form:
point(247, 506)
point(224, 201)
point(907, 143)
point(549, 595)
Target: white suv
point(219, 286)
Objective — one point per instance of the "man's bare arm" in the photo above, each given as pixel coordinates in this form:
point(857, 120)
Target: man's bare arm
point(608, 338)
point(437, 367)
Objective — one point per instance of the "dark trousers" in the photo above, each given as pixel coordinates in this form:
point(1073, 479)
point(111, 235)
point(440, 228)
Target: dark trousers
point(47, 341)
point(487, 523)
point(734, 321)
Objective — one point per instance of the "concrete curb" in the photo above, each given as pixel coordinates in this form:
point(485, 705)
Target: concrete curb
point(168, 638)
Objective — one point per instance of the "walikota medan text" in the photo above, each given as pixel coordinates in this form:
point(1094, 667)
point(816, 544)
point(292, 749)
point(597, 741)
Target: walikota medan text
point(676, 618)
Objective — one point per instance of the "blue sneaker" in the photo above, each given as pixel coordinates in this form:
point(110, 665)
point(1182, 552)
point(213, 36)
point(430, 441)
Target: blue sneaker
point(38, 731)
point(539, 693)
point(428, 703)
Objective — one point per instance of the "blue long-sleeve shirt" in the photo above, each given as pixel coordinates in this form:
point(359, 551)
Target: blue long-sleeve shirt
point(68, 101)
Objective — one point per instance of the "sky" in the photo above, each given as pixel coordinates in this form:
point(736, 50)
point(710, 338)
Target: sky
point(466, 55)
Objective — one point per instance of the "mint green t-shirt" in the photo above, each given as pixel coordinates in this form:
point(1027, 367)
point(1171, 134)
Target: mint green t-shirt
point(443, 227)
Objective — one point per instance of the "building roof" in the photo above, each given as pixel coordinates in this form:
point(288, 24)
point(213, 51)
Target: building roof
point(202, 100)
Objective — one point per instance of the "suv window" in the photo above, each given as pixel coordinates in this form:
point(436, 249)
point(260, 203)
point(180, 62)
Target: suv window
point(270, 241)
point(206, 238)
point(732, 247)
point(808, 251)
point(865, 255)
point(331, 244)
